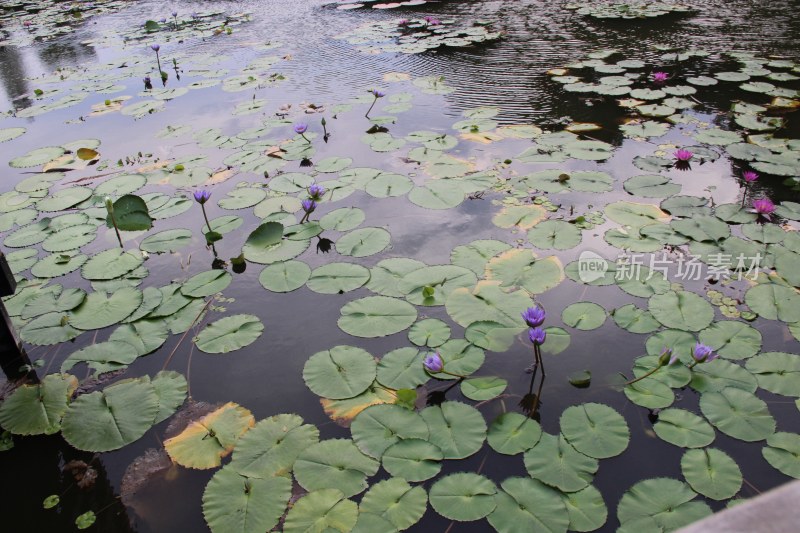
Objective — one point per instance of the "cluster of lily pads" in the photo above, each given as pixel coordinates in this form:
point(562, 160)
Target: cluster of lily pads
point(277, 471)
point(41, 20)
point(629, 10)
point(376, 4)
point(414, 36)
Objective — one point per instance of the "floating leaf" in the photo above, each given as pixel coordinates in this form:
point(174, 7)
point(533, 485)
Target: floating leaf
point(363, 242)
point(456, 428)
point(666, 502)
point(271, 447)
point(376, 316)
point(681, 310)
point(683, 429)
point(112, 418)
point(711, 473)
point(233, 503)
point(285, 276)
point(321, 510)
point(341, 372)
point(584, 316)
point(110, 264)
point(513, 433)
point(595, 430)
point(526, 504)
point(37, 409)
point(229, 334)
point(170, 240)
point(396, 501)
point(378, 427)
point(463, 496)
point(738, 413)
point(206, 283)
point(402, 369)
point(207, 440)
point(413, 459)
point(483, 388)
point(777, 372)
point(335, 463)
point(783, 453)
point(555, 462)
point(99, 310)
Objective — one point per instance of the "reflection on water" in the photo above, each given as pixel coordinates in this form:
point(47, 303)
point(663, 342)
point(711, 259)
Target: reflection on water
point(267, 377)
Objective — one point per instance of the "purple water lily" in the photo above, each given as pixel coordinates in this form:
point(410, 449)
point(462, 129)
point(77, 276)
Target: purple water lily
point(156, 47)
point(703, 353)
point(534, 316)
point(537, 336)
point(683, 155)
point(316, 191)
point(202, 197)
point(300, 128)
point(308, 205)
point(377, 93)
point(433, 363)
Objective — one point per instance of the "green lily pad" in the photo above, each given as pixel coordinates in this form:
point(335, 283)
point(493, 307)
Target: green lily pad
point(376, 316)
point(402, 369)
point(595, 430)
point(396, 501)
point(513, 433)
point(99, 310)
point(777, 372)
point(651, 393)
point(774, 302)
point(285, 276)
point(783, 453)
point(112, 418)
point(146, 336)
point(719, 374)
point(681, 310)
point(229, 334)
point(343, 219)
point(666, 502)
point(738, 413)
point(584, 316)
point(334, 463)
point(413, 459)
point(483, 388)
point(430, 332)
point(635, 320)
point(38, 408)
point(732, 340)
point(37, 157)
point(651, 186)
point(206, 283)
point(684, 429)
point(712, 473)
point(110, 264)
point(338, 278)
point(48, 329)
point(463, 496)
point(519, 267)
point(526, 504)
point(554, 234)
point(341, 372)
point(321, 510)
point(363, 242)
point(167, 241)
point(554, 462)
point(378, 427)
point(64, 199)
point(456, 428)
point(271, 447)
point(103, 357)
point(233, 503)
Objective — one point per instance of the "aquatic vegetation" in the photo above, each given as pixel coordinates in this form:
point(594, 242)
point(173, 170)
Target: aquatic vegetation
point(629, 10)
point(426, 400)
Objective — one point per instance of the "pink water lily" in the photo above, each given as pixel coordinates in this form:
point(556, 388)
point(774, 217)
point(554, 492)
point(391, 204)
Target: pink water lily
point(660, 77)
point(683, 155)
point(763, 207)
point(749, 176)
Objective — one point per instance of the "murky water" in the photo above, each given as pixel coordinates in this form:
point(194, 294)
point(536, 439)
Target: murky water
point(266, 377)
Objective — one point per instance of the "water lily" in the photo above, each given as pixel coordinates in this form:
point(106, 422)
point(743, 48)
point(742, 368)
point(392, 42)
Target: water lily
point(402, 22)
point(749, 176)
point(162, 20)
point(534, 316)
point(202, 197)
point(537, 336)
point(763, 207)
point(702, 354)
point(433, 363)
point(377, 94)
point(300, 128)
point(683, 155)
point(174, 13)
point(156, 47)
point(316, 191)
point(308, 205)
point(660, 77)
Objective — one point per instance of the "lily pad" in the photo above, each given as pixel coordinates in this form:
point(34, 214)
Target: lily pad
point(376, 316)
point(229, 334)
point(738, 413)
point(334, 463)
point(38, 408)
point(463, 496)
point(712, 473)
point(341, 372)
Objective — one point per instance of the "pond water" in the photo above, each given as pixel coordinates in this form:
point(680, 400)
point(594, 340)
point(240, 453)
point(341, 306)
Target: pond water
point(498, 93)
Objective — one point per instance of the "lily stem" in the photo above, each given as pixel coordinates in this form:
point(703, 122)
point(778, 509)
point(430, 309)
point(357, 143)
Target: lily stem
point(631, 382)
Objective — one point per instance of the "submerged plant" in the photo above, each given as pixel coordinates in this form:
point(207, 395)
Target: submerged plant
point(377, 94)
